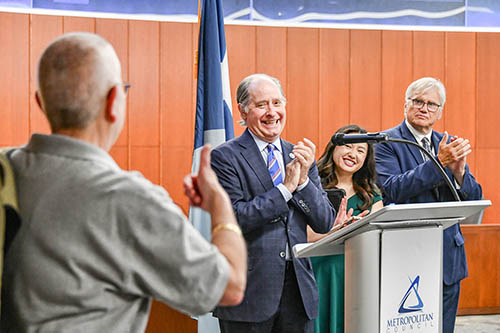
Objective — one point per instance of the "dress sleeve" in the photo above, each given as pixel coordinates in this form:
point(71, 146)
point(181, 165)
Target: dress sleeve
point(377, 196)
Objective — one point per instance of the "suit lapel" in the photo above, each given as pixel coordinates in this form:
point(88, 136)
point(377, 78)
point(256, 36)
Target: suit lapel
point(436, 138)
point(415, 151)
point(287, 149)
point(251, 154)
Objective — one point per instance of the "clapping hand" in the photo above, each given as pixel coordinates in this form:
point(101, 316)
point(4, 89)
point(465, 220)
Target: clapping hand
point(304, 152)
point(344, 217)
point(453, 155)
point(342, 214)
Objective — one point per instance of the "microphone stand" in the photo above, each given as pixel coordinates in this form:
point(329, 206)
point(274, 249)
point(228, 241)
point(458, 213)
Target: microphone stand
point(433, 159)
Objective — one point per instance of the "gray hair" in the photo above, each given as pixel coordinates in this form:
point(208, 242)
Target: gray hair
point(425, 84)
point(75, 73)
point(243, 91)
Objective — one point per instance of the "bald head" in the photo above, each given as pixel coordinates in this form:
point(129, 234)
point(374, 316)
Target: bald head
point(75, 75)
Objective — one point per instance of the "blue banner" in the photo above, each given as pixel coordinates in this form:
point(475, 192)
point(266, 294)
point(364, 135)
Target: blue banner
point(453, 13)
point(213, 99)
point(214, 121)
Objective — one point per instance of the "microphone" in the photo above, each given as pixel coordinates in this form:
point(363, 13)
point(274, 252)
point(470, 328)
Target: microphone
point(341, 139)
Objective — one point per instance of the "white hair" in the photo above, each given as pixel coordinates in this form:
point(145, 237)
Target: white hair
point(425, 84)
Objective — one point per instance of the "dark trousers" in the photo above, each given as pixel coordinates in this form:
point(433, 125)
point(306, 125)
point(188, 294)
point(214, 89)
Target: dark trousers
point(450, 306)
point(291, 316)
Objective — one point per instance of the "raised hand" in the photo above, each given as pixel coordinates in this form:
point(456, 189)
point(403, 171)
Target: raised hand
point(292, 175)
point(453, 155)
point(304, 152)
point(342, 214)
point(204, 188)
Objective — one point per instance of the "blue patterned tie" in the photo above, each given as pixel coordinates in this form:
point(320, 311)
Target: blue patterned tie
point(273, 166)
point(427, 146)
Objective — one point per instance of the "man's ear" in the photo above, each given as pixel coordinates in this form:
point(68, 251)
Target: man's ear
point(38, 100)
point(110, 111)
point(243, 114)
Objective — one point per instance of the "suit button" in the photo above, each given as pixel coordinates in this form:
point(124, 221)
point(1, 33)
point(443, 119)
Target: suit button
point(282, 254)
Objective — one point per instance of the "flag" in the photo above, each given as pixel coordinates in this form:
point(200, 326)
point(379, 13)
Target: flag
point(214, 120)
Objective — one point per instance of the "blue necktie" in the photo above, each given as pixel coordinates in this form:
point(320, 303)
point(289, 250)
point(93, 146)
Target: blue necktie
point(273, 166)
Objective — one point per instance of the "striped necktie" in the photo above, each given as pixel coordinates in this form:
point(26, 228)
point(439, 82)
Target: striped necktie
point(273, 166)
point(427, 146)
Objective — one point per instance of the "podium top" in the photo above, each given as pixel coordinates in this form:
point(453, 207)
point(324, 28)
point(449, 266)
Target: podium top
point(428, 211)
point(416, 215)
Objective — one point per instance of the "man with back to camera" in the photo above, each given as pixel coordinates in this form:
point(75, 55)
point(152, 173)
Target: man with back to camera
point(275, 191)
point(405, 175)
point(97, 243)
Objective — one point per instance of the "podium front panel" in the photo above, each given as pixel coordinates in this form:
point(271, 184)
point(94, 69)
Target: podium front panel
point(362, 283)
point(410, 280)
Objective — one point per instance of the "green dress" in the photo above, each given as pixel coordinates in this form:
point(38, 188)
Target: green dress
point(329, 274)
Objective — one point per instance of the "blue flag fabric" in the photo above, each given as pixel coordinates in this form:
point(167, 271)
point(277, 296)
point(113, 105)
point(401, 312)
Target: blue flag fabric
point(213, 101)
point(214, 121)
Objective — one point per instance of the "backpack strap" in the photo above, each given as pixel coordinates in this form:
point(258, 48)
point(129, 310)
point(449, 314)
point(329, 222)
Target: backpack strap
point(8, 200)
point(7, 182)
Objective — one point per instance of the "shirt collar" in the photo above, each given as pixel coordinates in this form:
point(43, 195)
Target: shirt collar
point(261, 144)
point(70, 147)
point(418, 136)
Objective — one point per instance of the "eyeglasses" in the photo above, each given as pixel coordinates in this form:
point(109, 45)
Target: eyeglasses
point(126, 87)
point(419, 104)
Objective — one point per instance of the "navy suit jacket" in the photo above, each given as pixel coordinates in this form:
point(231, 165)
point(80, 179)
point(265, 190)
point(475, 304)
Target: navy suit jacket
point(267, 221)
point(404, 177)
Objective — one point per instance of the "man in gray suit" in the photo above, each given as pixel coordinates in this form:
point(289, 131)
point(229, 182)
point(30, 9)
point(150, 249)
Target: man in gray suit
point(275, 191)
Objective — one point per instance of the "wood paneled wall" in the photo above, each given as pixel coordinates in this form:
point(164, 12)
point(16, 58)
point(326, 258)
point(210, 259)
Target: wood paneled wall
point(480, 293)
point(331, 77)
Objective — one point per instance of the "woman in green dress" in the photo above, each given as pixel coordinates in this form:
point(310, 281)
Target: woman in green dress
point(349, 167)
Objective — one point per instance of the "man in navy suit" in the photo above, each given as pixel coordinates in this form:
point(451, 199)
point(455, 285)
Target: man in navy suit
point(273, 213)
point(406, 176)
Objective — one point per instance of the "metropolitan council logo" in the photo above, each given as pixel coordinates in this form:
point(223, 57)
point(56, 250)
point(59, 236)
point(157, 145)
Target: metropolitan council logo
point(411, 316)
point(413, 290)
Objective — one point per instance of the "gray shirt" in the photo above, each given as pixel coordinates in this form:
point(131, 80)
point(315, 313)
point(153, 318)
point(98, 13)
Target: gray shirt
point(96, 243)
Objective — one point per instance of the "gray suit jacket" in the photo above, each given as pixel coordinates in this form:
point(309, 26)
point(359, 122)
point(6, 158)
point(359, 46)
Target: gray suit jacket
point(267, 221)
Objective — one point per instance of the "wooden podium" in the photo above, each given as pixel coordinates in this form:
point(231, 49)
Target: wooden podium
point(393, 265)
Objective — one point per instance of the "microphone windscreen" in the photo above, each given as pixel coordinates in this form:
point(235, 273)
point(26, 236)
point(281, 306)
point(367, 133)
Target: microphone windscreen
point(337, 139)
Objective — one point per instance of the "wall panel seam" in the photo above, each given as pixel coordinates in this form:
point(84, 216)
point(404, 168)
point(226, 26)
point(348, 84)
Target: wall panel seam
point(129, 141)
point(30, 68)
point(160, 110)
